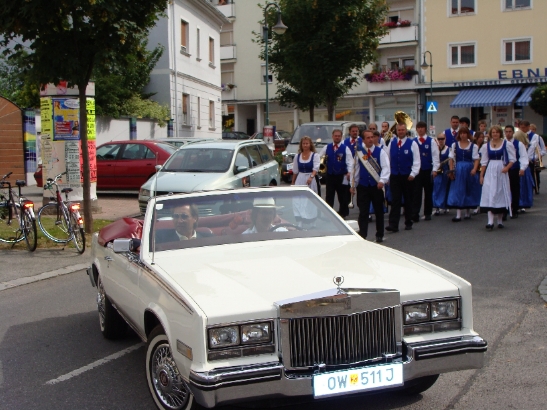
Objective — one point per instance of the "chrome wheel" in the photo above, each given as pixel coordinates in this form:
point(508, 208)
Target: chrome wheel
point(168, 384)
point(101, 302)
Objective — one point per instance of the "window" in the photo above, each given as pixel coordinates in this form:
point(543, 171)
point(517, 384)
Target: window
point(460, 7)
point(108, 152)
point(462, 55)
point(183, 36)
point(199, 112)
point(185, 108)
point(135, 151)
point(265, 153)
point(263, 76)
point(517, 4)
point(399, 63)
point(517, 51)
point(211, 51)
point(255, 156)
point(198, 46)
point(242, 160)
point(211, 114)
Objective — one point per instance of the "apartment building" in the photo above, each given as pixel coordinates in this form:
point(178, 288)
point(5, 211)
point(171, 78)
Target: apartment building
point(187, 77)
point(487, 58)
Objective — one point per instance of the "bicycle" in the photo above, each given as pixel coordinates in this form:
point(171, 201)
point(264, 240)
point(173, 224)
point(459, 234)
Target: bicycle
point(67, 225)
point(17, 220)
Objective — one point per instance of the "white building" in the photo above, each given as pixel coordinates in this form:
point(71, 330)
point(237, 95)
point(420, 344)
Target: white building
point(187, 77)
point(243, 73)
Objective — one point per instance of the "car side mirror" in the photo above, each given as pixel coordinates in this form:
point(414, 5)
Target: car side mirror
point(124, 245)
point(240, 169)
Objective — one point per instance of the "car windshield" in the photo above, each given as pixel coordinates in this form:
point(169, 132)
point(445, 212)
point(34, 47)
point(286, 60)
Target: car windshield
point(319, 134)
point(166, 147)
point(240, 216)
point(199, 160)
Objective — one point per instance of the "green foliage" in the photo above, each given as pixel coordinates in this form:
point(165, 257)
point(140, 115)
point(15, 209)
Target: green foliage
point(539, 100)
point(14, 84)
point(320, 57)
point(135, 106)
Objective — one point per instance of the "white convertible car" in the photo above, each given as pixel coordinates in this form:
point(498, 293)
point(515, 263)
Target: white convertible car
point(251, 294)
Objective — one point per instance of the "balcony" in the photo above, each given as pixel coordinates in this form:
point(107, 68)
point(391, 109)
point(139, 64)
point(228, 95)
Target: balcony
point(227, 53)
point(388, 86)
point(228, 94)
point(400, 35)
point(229, 10)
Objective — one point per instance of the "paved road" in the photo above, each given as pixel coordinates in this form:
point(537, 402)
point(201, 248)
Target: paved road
point(49, 329)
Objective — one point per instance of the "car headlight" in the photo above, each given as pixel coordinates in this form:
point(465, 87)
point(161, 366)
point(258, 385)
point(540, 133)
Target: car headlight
point(443, 310)
point(416, 313)
point(223, 337)
point(256, 333)
point(145, 192)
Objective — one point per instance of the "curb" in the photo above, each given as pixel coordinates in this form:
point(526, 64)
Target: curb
point(43, 276)
point(543, 289)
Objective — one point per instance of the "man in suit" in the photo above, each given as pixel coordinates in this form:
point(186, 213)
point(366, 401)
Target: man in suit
point(185, 221)
point(451, 132)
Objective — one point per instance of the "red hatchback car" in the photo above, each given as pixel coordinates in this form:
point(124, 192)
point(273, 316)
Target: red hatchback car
point(129, 164)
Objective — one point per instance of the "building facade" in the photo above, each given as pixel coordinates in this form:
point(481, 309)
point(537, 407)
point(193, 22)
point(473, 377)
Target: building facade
point(487, 58)
point(187, 77)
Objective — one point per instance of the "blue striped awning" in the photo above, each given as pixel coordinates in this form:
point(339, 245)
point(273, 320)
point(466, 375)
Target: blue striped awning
point(485, 97)
point(526, 96)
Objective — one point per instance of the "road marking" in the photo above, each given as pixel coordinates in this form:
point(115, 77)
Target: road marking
point(42, 276)
point(97, 363)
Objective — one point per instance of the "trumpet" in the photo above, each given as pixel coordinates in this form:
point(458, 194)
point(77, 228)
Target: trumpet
point(440, 170)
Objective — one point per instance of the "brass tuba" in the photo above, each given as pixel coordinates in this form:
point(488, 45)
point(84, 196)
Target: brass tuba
point(401, 117)
point(323, 166)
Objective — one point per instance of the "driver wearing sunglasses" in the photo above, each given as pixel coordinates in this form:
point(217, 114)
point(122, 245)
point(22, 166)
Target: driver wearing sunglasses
point(185, 222)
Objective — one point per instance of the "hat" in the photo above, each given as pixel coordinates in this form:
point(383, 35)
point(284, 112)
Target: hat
point(267, 202)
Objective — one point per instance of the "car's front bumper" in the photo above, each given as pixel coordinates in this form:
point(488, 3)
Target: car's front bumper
point(270, 380)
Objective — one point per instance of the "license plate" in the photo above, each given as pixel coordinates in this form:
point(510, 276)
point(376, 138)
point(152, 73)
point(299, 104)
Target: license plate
point(289, 167)
point(355, 380)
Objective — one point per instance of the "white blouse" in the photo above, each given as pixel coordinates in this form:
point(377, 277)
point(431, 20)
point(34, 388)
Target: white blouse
point(474, 155)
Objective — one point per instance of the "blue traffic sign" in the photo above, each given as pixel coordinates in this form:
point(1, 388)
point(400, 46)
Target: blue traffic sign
point(432, 106)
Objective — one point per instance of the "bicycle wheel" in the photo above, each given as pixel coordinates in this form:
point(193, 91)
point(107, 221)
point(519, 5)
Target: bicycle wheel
point(29, 229)
point(78, 235)
point(54, 223)
point(10, 231)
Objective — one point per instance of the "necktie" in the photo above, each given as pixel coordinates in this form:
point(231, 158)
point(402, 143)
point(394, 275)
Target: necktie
point(369, 153)
point(353, 141)
point(422, 140)
point(400, 143)
point(335, 147)
point(453, 133)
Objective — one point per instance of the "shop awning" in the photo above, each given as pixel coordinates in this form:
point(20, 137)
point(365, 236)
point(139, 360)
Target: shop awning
point(485, 97)
point(526, 96)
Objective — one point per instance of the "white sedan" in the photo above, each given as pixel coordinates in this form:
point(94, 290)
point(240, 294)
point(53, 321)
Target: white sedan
point(252, 294)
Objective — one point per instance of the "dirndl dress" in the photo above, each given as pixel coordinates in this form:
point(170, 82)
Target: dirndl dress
point(465, 189)
point(527, 186)
point(496, 189)
point(441, 183)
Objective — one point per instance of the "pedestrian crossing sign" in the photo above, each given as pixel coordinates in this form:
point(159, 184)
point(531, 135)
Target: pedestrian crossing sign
point(432, 106)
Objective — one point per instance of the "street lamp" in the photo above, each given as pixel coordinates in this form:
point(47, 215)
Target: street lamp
point(425, 66)
point(279, 28)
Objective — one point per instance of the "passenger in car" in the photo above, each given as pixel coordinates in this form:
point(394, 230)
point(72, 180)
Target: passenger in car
point(185, 221)
point(263, 216)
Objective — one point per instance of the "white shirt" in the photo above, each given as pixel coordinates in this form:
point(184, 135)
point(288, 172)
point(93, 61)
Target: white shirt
point(349, 157)
point(522, 154)
point(474, 154)
point(316, 162)
point(536, 140)
point(384, 164)
point(510, 153)
point(415, 170)
point(434, 151)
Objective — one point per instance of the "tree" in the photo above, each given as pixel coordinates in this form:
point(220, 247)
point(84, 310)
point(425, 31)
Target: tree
point(14, 84)
point(67, 39)
point(320, 57)
point(539, 100)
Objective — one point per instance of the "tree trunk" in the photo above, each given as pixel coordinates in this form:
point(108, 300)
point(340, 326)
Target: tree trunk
point(330, 109)
point(88, 214)
point(312, 113)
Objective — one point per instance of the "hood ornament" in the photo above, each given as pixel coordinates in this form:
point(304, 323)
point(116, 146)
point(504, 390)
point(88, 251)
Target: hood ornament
point(338, 280)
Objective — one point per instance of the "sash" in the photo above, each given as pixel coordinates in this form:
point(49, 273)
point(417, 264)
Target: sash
point(370, 164)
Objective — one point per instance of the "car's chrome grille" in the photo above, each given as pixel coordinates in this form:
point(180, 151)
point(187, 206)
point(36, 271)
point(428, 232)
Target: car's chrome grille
point(345, 339)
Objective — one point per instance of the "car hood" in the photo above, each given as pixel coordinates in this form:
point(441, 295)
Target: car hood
point(184, 181)
point(229, 282)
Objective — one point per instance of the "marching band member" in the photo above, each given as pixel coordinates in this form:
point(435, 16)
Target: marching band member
point(372, 171)
point(518, 169)
point(404, 158)
point(353, 139)
point(305, 169)
point(386, 133)
point(535, 145)
point(441, 180)
point(452, 132)
point(339, 165)
point(527, 181)
point(429, 164)
point(466, 122)
point(465, 190)
point(497, 158)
